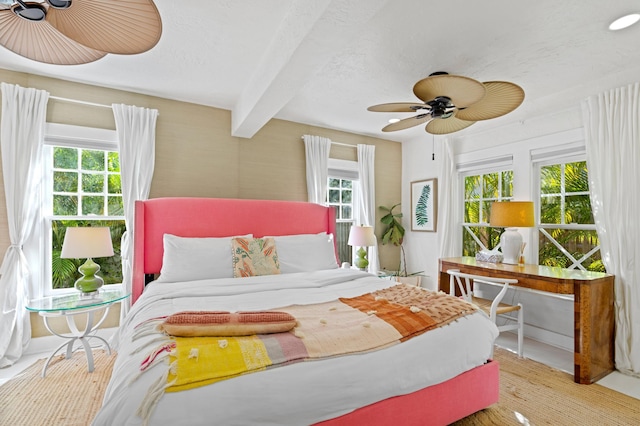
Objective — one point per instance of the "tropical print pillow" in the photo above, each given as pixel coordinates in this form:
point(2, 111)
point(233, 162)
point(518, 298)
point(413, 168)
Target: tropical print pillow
point(254, 257)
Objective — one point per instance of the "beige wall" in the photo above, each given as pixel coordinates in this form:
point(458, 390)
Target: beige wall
point(197, 156)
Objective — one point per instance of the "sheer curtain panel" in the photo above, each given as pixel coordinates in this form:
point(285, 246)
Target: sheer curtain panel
point(449, 203)
point(136, 129)
point(21, 136)
point(367, 210)
point(317, 159)
point(612, 136)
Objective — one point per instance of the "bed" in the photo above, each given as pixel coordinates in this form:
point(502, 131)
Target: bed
point(434, 378)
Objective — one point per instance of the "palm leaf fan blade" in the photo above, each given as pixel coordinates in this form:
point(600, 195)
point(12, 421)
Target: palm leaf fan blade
point(502, 97)
point(443, 126)
point(398, 107)
point(463, 91)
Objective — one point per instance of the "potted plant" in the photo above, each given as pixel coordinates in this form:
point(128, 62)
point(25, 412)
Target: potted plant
point(394, 234)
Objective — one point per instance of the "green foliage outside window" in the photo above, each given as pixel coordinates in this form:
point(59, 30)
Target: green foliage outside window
point(564, 200)
point(65, 158)
point(92, 160)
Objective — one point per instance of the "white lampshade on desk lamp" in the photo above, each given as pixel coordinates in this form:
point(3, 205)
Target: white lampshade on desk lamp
point(511, 215)
point(87, 242)
point(361, 236)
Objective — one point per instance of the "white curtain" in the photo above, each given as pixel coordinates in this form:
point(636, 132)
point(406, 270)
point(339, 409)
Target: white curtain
point(450, 209)
point(136, 129)
point(367, 205)
point(612, 136)
point(21, 136)
point(317, 159)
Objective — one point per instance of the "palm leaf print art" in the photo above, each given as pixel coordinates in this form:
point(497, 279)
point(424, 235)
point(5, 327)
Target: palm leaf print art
point(422, 218)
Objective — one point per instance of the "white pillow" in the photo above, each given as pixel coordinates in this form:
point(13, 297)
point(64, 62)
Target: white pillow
point(306, 252)
point(188, 259)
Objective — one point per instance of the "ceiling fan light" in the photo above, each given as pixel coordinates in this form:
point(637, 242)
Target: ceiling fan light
point(624, 22)
point(406, 123)
point(59, 4)
point(31, 11)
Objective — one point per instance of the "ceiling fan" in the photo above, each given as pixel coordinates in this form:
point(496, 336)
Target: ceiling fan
point(453, 102)
point(72, 32)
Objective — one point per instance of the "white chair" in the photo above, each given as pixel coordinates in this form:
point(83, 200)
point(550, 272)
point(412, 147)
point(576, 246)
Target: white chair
point(492, 307)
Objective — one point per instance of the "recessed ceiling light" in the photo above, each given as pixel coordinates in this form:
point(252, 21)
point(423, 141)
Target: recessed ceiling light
point(394, 120)
point(624, 22)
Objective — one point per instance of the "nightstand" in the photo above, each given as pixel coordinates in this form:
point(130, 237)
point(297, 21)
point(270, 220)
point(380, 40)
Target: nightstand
point(70, 305)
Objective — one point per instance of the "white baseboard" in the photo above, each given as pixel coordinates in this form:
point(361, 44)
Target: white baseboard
point(549, 337)
point(47, 344)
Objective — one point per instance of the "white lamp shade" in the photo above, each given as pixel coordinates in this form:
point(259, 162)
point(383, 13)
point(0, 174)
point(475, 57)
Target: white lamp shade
point(362, 236)
point(87, 242)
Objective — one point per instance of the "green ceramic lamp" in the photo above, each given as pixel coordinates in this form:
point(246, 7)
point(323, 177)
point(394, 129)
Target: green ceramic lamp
point(361, 236)
point(87, 242)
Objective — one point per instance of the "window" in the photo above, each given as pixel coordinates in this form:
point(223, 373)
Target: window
point(340, 194)
point(81, 188)
point(567, 234)
point(479, 192)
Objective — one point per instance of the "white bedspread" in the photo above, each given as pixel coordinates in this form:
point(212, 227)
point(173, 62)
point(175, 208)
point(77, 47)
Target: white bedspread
point(297, 394)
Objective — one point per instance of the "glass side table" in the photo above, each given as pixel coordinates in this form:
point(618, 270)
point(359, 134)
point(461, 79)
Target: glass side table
point(70, 305)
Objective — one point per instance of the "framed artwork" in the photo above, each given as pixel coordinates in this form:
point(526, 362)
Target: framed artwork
point(424, 205)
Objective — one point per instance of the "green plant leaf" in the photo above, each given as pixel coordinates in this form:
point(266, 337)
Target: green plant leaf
point(394, 231)
point(62, 270)
point(422, 217)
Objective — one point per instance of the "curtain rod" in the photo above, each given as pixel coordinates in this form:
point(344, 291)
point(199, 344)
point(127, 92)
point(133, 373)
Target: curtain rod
point(75, 101)
point(338, 143)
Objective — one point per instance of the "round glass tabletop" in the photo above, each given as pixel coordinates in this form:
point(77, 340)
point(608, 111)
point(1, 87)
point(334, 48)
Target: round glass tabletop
point(71, 301)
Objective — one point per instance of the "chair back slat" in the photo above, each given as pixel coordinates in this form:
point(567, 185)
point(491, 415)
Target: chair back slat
point(466, 290)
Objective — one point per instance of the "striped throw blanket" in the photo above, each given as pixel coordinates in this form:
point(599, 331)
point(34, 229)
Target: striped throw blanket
point(340, 327)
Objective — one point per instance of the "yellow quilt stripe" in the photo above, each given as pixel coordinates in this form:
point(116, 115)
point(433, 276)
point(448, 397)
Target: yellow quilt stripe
point(199, 361)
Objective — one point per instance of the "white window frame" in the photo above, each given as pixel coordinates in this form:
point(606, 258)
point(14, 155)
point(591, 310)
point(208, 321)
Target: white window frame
point(346, 169)
point(341, 204)
point(62, 135)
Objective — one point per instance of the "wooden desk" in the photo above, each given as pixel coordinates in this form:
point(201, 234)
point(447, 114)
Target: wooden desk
point(593, 306)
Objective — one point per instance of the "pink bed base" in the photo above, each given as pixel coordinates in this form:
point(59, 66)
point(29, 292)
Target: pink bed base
point(440, 404)
point(218, 217)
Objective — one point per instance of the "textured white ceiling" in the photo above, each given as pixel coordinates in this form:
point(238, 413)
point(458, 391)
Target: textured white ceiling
point(323, 62)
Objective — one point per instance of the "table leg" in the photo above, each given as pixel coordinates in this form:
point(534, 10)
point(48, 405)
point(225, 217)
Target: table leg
point(69, 345)
point(77, 335)
point(594, 330)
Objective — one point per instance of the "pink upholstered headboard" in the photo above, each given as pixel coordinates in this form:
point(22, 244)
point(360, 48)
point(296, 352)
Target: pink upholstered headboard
point(217, 217)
